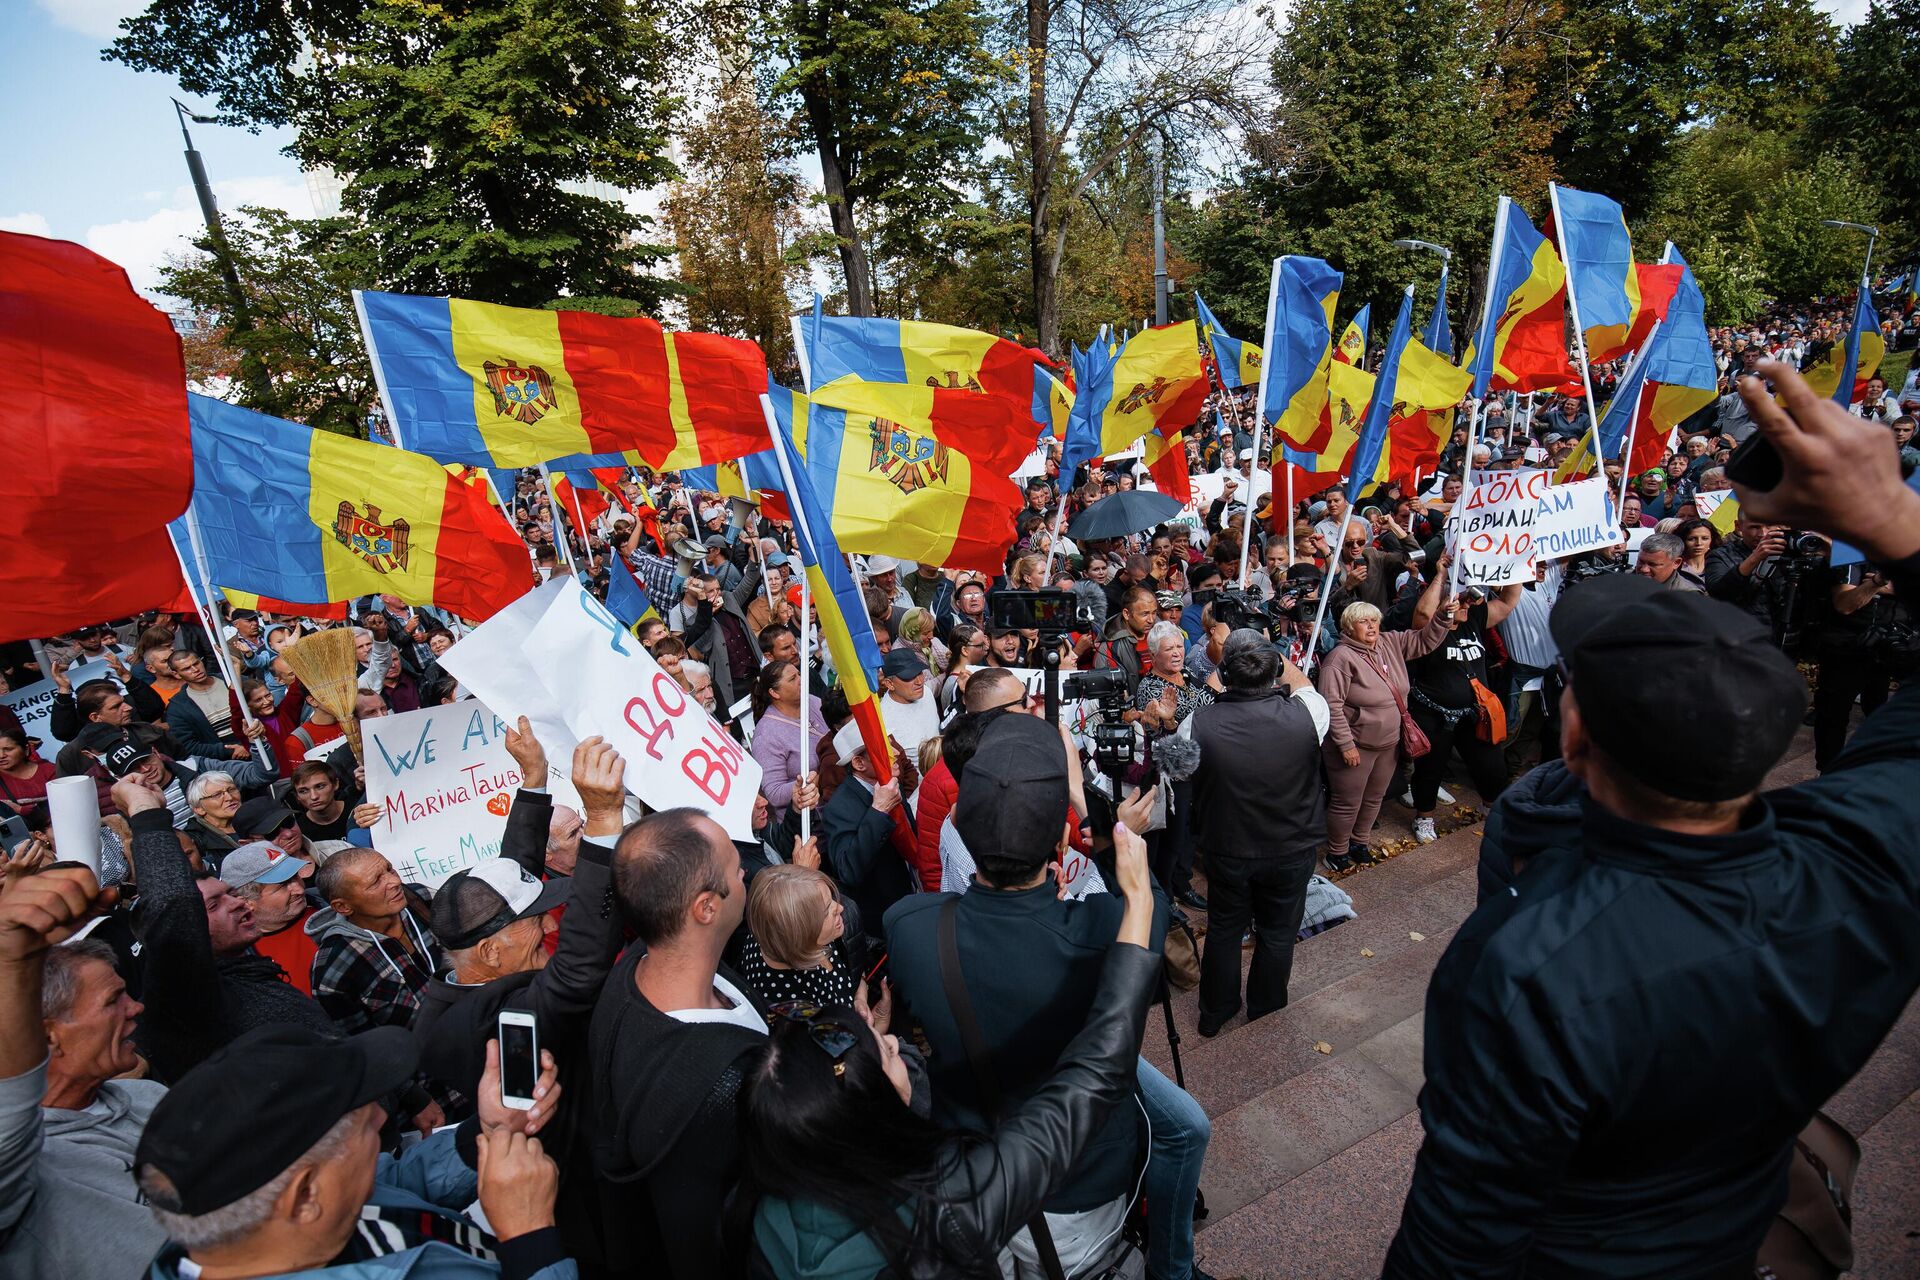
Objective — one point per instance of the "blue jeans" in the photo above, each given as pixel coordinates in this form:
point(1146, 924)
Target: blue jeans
point(1178, 1147)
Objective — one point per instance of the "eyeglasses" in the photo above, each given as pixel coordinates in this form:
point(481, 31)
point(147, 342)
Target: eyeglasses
point(1354, 542)
point(835, 1039)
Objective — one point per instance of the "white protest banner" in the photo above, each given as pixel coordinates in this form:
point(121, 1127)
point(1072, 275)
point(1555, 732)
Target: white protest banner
point(1492, 528)
point(491, 663)
point(444, 781)
point(34, 705)
point(602, 682)
point(1574, 518)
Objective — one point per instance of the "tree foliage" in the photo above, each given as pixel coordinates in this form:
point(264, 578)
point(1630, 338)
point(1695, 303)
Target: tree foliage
point(485, 146)
point(738, 226)
point(1872, 113)
point(297, 277)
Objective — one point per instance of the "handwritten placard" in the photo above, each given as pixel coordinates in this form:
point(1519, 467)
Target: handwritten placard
point(600, 681)
point(1574, 518)
point(1492, 528)
point(444, 781)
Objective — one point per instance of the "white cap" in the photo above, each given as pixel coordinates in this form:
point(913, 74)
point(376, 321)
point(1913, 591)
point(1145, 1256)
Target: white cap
point(848, 743)
point(877, 565)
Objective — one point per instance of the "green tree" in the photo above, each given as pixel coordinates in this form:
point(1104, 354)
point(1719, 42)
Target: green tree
point(1872, 113)
point(737, 221)
point(298, 278)
point(890, 94)
point(1802, 258)
point(485, 145)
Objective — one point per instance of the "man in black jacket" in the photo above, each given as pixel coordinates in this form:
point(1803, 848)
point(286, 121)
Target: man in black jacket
point(493, 922)
point(667, 1036)
point(1624, 1039)
point(1260, 815)
point(203, 982)
point(858, 824)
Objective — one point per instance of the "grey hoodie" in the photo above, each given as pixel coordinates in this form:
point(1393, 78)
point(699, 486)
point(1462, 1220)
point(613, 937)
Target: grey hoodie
point(67, 1200)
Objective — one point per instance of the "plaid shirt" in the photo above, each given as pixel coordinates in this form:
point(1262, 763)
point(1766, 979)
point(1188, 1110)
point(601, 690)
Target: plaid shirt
point(364, 980)
point(656, 574)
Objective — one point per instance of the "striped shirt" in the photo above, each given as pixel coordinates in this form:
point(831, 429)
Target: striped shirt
point(1524, 631)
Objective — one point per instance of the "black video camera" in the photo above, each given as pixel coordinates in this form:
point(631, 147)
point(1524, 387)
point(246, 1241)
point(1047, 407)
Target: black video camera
point(1241, 607)
point(1050, 612)
point(1112, 735)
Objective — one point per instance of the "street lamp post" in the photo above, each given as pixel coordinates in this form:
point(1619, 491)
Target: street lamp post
point(1160, 232)
point(251, 370)
point(1872, 234)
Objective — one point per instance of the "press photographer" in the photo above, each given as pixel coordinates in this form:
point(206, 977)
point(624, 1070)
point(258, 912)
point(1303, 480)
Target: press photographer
point(1775, 574)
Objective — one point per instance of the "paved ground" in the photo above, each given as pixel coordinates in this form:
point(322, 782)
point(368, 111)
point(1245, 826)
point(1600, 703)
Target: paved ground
point(1312, 1151)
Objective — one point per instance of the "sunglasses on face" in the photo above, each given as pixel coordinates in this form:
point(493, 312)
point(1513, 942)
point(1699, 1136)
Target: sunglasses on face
point(833, 1038)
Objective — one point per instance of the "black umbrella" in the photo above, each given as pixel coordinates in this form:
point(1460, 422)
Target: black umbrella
point(1119, 514)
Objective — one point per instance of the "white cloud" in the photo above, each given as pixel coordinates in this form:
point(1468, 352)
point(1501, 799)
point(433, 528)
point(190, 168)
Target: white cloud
point(30, 224)
point(99, 18)
point(142, 245)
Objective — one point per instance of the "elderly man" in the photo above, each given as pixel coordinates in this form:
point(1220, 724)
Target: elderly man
point(883, 574)
point(244, 1185)
point(68, 1128)
point(1365, 573)
point(1259, 815)
point(375, 955)
point(1660, 557)
point(910, 715)
point(203, 981)
point(274, 884)
point(862, 851)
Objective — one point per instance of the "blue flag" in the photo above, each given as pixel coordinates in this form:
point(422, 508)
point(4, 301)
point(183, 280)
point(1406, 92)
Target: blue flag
point(626, 598)
point(1439, 334)
point(1373, 428)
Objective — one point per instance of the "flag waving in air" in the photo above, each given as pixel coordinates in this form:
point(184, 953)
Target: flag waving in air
point(986, 396)
point(883, 488)
point(844, 623)
point(1154, 379)
point(97, 430)
point(1369, 449)
point(1238, 361)
point(1603, 281)
point(1841, 375)
point(1300, 301)
point(1166, 459)
point(309, 515)
point(1353, 339)
point(1428, 385)
point(1674, 377)
point(1438, 337)
point(1521, 344)
point(511, 386)
point(626, 598)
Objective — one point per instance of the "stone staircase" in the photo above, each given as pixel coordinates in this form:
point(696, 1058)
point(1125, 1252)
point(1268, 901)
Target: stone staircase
point(1315, 1126)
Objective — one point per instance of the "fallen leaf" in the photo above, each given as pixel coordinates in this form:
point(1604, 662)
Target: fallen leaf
point(1418, 937)
point(1321, 1046)
point(1367, 952)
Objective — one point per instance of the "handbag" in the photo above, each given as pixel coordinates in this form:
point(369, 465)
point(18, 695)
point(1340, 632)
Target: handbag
point(1413, 739)
point(1492, 724)
point(1812, 1236)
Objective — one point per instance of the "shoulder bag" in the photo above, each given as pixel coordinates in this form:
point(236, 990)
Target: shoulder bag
point(1413, 739)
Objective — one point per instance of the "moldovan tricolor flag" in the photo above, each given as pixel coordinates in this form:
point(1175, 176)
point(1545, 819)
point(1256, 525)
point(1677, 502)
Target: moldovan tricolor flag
point(308, 515)
point(500, 386)
point(884, 488)
point(1237, 360)
point(1154, 379)
point(1521, 344)
point(98, 459)
point(1841, 375)
point(1301, 296)
point(844, 623)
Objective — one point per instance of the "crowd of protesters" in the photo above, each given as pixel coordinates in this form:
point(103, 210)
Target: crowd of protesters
point(248, 1048)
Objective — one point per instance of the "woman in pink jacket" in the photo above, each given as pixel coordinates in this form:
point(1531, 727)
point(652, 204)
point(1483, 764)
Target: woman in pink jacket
point(1364, 680)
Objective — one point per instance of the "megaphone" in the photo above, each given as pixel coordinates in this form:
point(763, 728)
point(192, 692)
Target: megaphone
point(688, 553)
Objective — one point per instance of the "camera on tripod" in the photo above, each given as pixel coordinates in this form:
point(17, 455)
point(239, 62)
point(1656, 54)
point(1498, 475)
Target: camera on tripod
point(1051, 612)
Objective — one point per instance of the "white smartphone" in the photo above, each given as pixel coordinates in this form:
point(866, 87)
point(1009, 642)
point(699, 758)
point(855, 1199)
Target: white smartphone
point(519, 1059)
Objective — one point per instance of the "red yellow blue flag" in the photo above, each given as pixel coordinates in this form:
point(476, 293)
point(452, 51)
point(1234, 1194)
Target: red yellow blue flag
point(1521, 343)
point(1603, 283)
point(885, 488)
point(1237, 360)
point(1301, 297)
point(1153, 379)
point(299, 514)
point(1841, 375)
point(842, 610)
point(511, 386)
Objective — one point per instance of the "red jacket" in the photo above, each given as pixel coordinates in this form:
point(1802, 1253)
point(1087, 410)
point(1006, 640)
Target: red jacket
point(938, 791)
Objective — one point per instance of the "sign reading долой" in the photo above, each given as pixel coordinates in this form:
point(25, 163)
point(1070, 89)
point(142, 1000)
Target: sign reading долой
point(1491, 531)
point(444, 781)
point(601, 681)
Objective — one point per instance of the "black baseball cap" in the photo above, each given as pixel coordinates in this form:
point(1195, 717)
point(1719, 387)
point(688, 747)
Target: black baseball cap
point(902, 663)
point(1013, 795)
point(124, 756)
point(1686, 695)
point(474, 905)
point(261, 816)
point(254, 1106)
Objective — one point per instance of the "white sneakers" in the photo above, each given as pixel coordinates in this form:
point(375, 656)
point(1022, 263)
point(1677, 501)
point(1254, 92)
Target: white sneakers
point(1445, 796)
point(1423, 831)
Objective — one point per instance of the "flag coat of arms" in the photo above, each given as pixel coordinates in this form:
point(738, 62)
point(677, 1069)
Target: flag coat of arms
point(297, 514)
point(1237, 360)
point(1300, 301)
point(1153, 379)
point(495, 386)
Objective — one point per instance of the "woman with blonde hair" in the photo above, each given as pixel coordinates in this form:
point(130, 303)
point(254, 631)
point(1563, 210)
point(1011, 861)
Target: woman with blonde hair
point(1029, 573)
point(1365, 682)
point(796, 946)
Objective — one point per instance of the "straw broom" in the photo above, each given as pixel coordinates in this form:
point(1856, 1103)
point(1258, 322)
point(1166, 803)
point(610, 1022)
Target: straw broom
point(325, 664)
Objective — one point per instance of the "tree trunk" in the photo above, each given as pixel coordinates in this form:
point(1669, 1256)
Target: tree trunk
point(846, 228)
point(1046, 292)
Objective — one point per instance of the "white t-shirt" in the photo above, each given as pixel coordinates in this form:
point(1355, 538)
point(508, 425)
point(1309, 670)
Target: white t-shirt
point(911, 723)
point(742, 1014)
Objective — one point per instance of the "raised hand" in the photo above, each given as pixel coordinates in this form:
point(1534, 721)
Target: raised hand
point(527, 753)
point(599, 775)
